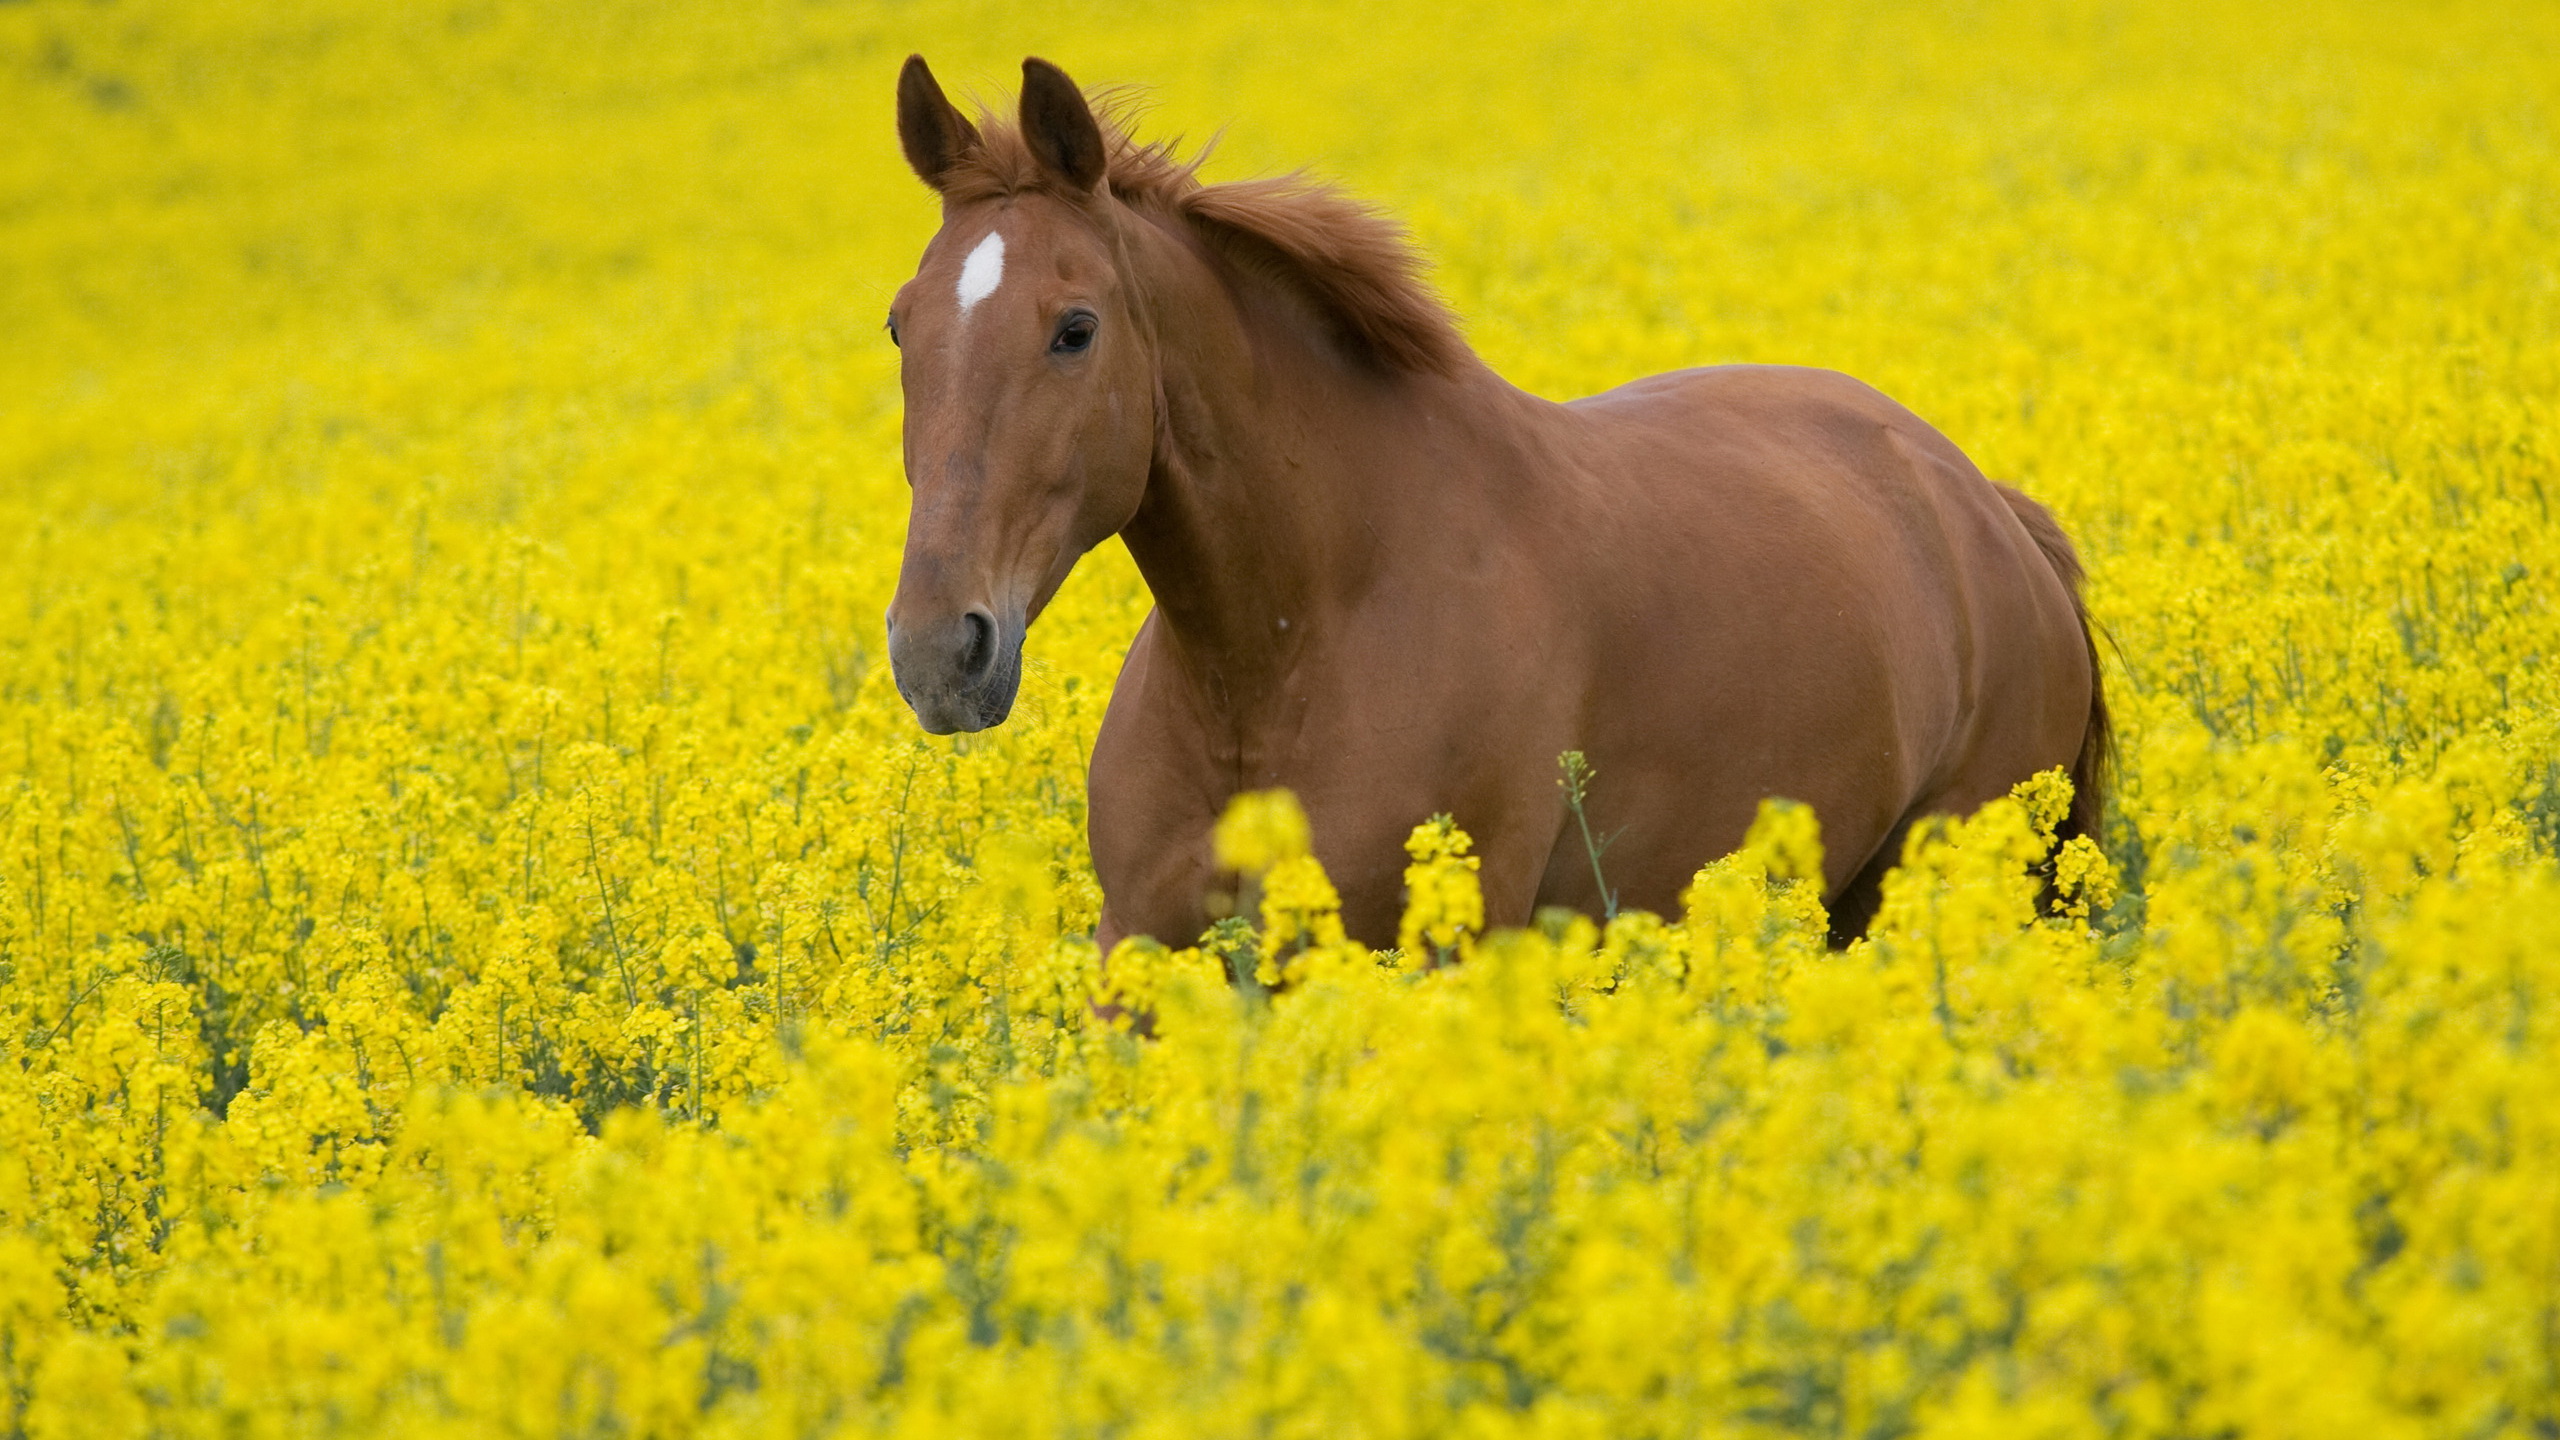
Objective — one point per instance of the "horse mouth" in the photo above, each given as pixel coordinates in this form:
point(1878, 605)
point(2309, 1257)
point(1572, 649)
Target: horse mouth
point(969, 709)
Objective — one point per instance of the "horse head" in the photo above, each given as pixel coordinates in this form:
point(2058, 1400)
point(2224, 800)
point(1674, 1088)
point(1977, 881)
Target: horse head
point(1029, 382)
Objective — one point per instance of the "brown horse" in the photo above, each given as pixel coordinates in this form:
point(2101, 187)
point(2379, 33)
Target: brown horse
point(1393, 583)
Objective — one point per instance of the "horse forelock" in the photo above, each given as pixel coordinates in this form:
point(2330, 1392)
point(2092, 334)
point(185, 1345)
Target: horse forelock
point(1358, 266)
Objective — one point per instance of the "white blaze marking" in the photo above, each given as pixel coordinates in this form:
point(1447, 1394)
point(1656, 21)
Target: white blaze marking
point(982, 272)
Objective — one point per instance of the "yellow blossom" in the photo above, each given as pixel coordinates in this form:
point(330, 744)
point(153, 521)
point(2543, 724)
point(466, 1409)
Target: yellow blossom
point(1443, 902)
point(1261, 829)
point(484, 949)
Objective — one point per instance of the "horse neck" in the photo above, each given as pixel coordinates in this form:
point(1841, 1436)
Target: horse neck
point(1284, 475)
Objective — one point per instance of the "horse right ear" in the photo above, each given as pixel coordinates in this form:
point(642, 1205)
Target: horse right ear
point(930, 129)
point(1058, 125)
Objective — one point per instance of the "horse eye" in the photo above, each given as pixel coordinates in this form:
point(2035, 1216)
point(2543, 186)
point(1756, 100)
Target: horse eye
point(893, 329)
point(1074, 334)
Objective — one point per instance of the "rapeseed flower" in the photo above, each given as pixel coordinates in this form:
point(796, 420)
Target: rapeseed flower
point(483, 948)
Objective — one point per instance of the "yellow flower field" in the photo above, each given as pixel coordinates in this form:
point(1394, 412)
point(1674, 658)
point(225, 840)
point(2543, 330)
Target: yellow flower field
point(485, 951)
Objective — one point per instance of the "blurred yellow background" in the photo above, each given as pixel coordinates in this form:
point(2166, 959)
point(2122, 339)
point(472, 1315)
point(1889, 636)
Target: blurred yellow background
point(483, 947)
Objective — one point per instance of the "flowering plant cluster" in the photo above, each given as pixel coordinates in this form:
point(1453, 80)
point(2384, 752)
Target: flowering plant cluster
point(484, 949)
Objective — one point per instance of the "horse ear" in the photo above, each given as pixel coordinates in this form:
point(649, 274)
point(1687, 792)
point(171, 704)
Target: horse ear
point(931, 130)
point(1059, 127)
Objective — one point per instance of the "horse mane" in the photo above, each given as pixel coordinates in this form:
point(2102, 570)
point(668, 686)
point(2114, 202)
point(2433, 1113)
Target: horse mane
point(1357, 266)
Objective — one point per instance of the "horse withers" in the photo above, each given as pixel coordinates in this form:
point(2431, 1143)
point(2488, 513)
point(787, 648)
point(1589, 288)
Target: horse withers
point(1389, 581)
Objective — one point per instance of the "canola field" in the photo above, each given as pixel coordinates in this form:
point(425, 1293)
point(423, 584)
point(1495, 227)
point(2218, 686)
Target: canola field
point(485, 951)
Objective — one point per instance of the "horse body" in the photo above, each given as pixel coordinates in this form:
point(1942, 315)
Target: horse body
point(1816, 596)
point(1396, 585)
point(1719, 585)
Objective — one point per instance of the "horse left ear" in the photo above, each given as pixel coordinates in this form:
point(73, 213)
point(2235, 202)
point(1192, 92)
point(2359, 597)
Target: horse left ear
point(932, 131)
point(1059, 127)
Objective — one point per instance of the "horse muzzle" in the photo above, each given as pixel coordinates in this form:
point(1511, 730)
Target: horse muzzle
point(958, 672)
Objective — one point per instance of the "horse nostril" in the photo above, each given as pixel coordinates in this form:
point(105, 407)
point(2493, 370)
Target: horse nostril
point(980, 654)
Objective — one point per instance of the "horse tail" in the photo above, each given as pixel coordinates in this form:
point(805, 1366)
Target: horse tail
point(2098, 742)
